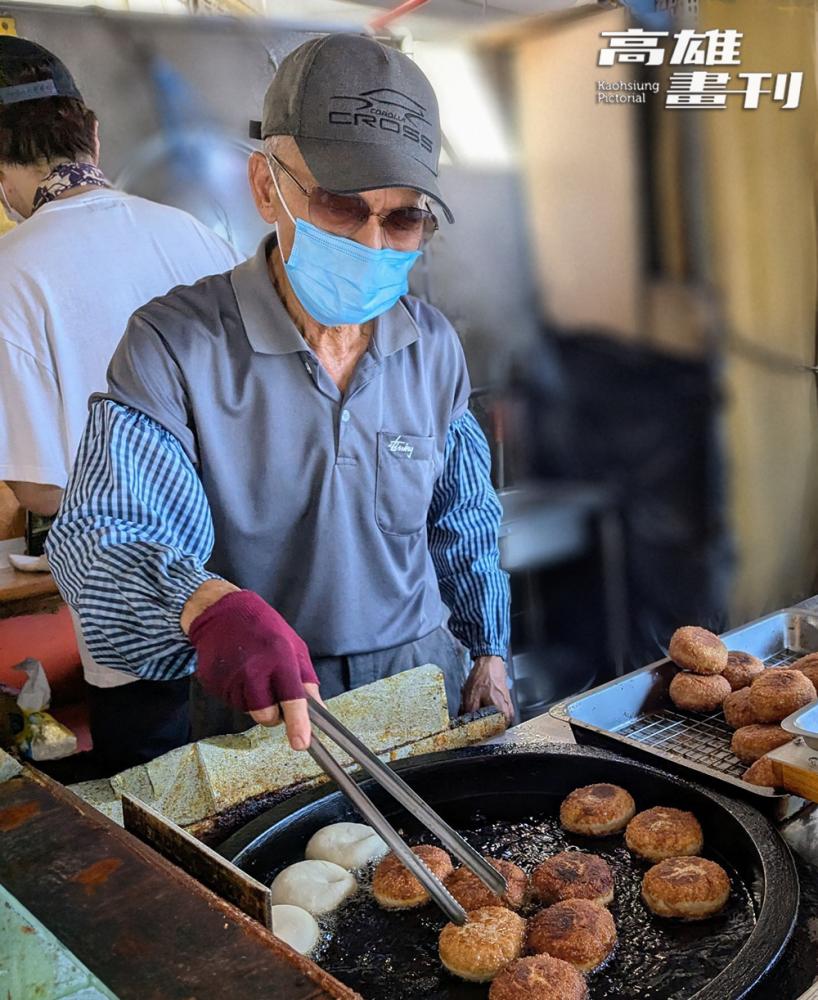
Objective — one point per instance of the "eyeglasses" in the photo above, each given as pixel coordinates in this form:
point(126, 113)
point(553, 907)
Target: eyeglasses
point(406, 228)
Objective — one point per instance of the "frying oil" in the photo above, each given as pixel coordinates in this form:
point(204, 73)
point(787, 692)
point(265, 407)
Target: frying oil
point(392, 955)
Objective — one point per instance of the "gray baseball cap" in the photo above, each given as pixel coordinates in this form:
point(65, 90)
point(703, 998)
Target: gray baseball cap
point(363, 116)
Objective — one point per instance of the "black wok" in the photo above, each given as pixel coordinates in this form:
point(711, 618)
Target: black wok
point(504, 799)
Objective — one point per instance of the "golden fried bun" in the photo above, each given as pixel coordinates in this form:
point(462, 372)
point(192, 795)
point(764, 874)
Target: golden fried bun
point(810, 671)
point(808, 665)
point(778, 693)
point(477, 951)
point(689, 888)
point(597, 810)
point(539, 977)
point(742, 669)
point(578, 931)
point(697, 650)
point(396, 888)
point(663, 832)
point(470, 892)
point(573, 875)
point(751, 742)
point(737, 710)
point(761, 773)
point(699, 693)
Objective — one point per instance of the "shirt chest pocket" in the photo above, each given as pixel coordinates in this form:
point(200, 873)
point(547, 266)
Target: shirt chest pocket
point(404, 483)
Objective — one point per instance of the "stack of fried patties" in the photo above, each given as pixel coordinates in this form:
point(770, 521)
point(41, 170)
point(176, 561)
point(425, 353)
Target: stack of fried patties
point(754, 698)
point(756, 709)
point(700, 685)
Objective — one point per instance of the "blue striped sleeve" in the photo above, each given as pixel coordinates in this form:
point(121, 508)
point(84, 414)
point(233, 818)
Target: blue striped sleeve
point(130, 543)
point(463, 521)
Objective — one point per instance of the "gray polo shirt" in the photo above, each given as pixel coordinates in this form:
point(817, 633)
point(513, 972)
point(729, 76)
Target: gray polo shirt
point(319, 499)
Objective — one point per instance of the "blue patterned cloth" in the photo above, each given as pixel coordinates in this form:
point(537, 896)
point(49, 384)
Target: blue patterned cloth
point(134, 535)
point(65, 177)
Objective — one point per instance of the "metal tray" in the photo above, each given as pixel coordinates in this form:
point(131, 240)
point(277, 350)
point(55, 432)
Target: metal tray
point(635, 712)
point(804, 723)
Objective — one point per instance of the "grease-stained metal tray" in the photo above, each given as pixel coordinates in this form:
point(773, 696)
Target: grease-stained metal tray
point(634, 713)
point(804, 723)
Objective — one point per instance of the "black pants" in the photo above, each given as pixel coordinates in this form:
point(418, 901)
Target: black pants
point(134, 723)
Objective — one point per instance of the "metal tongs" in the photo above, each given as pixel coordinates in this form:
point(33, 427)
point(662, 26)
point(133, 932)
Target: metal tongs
point(326, 722)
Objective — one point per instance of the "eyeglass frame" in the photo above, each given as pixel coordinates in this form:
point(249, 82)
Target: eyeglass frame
point(377, 215)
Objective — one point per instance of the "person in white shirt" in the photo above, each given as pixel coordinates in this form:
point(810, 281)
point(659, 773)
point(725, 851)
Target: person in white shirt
point(70, 277)
point(83, 260)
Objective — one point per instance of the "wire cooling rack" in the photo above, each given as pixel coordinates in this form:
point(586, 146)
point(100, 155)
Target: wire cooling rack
point(703, 740)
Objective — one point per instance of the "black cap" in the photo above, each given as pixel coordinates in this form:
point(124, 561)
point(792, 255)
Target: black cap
point(16, 56)
point(363, 116)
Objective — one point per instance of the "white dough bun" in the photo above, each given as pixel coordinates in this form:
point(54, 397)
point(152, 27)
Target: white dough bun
point(350, 845)
point(295, 927)
point(315, 886)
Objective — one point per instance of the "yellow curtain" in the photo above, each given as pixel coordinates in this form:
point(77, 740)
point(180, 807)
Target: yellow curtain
point(581, 175)
point(760, 169)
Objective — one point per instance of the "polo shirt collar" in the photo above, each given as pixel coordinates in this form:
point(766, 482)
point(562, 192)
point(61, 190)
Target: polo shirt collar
point(268, 325)
point(394, 330)
point(266, 322)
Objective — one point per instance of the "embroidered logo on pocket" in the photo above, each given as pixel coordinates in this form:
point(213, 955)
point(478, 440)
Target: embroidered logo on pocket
point(400, 447)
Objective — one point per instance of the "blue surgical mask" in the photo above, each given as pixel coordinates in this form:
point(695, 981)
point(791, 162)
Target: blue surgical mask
point(339, 281)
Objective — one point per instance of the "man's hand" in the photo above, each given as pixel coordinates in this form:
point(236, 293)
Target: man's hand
point(486, 685)
point(250, 658)
point(36, 497)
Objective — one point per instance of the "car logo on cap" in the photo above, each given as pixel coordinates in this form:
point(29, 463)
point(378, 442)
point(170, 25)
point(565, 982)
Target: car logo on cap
point(384, 109)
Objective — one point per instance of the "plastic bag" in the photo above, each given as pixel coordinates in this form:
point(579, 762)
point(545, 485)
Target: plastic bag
point(42, 737)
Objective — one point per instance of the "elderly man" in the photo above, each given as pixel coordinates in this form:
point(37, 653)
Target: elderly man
point(283, 486)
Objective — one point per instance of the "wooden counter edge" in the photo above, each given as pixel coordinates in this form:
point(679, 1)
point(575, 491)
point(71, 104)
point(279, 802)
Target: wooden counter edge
point(325, 985)
point(27, 593)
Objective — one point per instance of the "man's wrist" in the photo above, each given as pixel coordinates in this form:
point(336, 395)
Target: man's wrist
point(202, 598)
point(491, 663)
point(487, 652)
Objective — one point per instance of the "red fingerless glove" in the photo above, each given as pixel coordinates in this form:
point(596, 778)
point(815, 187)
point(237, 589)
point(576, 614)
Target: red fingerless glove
point(248, 656)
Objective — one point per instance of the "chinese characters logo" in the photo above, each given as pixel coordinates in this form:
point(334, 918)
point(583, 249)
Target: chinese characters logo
point(694, 88)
